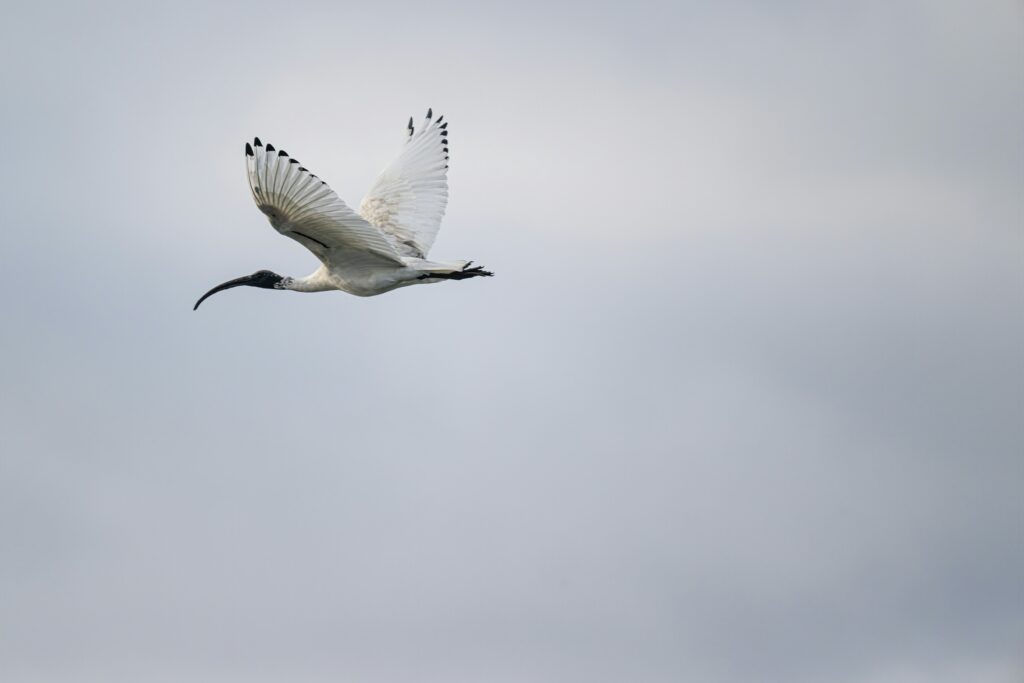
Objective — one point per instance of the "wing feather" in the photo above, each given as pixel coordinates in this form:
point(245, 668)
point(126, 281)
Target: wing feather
point(409, 197)
point(303, 207)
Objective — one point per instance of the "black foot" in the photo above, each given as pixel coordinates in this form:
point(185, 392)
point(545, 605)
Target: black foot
point(463, 274)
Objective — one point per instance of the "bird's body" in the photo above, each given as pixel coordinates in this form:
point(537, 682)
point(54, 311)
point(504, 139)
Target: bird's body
point(381, 248)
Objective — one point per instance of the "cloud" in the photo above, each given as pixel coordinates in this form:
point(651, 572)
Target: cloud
point(741, 403)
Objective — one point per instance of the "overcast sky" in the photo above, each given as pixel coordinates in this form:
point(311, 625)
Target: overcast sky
point(744, 401)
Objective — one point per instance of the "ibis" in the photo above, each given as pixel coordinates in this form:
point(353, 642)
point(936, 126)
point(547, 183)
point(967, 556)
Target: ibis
point(382, 247)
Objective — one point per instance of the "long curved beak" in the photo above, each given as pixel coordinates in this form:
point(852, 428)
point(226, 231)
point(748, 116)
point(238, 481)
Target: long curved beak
point(237, 282)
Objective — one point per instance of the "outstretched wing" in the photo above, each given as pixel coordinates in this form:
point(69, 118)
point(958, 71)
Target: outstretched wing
point(303, 207)
point(409, 197)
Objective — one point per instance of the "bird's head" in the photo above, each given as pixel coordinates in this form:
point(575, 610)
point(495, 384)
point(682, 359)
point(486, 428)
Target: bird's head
point(261, 278)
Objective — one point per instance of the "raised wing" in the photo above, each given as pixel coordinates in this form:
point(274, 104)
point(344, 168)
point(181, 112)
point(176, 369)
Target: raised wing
point(303, 207)
point(408, 199)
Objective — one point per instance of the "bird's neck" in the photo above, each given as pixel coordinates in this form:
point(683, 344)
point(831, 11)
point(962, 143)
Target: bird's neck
point(314, 282)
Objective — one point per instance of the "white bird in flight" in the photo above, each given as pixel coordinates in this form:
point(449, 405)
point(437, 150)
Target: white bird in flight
point(382, 247)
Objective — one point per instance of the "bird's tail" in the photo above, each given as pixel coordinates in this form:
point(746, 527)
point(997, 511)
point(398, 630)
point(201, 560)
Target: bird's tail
point(433, 267)
point(455, 270)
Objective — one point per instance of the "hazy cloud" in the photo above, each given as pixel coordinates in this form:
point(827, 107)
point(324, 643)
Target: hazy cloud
point(744, 401)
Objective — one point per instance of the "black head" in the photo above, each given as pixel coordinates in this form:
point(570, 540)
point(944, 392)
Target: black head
point(267, 279)
point(261, 278)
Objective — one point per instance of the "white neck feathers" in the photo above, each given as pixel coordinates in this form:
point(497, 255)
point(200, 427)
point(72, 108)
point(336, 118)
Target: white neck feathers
point(314, 282)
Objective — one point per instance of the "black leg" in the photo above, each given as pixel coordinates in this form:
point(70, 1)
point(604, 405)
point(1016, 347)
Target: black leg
point(463, 274)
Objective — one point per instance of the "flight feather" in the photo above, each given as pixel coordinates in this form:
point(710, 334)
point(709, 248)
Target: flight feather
point(409, 197)
point(302, 206)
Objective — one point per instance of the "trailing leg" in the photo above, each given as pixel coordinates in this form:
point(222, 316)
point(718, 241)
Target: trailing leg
point(464, 274)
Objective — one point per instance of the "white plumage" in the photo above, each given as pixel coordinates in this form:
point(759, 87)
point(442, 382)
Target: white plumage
point(409, 197)
point(382, 247)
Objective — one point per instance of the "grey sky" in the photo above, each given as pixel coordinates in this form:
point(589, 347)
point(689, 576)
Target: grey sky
point(744, 402)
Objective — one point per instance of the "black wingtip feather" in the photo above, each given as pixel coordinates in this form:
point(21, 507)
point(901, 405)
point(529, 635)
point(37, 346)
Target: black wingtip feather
point(430, 113)
point(248, 150)
point(270, 147)
point(440, 118)
point(283, 153)
point(258, 143)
